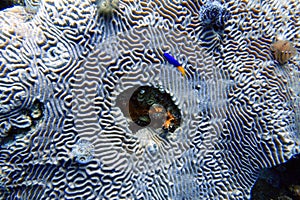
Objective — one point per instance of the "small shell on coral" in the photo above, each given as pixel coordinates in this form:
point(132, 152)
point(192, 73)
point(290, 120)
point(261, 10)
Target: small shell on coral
point(283, 50)
point(106, 7)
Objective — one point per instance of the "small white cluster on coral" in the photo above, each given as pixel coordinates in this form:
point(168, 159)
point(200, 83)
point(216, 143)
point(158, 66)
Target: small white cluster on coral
point(83, 151)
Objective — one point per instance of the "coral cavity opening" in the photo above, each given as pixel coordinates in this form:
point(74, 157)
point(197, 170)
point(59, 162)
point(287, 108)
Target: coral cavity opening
point(147, 106)
point(25, 122)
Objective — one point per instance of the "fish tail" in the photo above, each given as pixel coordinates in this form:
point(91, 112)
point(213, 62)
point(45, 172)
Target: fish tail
point(181, 69)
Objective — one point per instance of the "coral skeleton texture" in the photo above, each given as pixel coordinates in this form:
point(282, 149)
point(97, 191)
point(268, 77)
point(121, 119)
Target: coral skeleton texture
point(91, 109)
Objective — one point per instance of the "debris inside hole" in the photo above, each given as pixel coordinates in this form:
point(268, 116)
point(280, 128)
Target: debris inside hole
point(148, 106)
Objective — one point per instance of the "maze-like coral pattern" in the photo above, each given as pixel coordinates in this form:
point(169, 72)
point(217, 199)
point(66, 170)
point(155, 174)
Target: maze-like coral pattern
point(68, 72)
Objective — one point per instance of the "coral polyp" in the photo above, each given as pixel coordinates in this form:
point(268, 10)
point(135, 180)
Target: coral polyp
point(214, 14)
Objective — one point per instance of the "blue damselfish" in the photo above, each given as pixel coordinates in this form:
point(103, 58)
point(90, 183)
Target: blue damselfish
point(174, 62)
point(171, 60)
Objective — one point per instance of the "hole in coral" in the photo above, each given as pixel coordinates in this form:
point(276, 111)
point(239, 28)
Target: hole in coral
point(148, 106)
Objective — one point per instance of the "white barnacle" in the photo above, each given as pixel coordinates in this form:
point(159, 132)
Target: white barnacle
point(83, 151)
point(106, 7)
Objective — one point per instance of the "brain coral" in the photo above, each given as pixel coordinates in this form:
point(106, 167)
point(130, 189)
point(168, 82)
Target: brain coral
point(69, 74)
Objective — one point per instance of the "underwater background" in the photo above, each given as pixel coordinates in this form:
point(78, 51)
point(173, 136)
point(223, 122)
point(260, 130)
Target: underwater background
point(150, 99)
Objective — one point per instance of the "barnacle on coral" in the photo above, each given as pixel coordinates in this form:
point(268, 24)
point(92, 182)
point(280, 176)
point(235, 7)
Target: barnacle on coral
point(106, 7)
point(283, 51)
point(83, 151)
